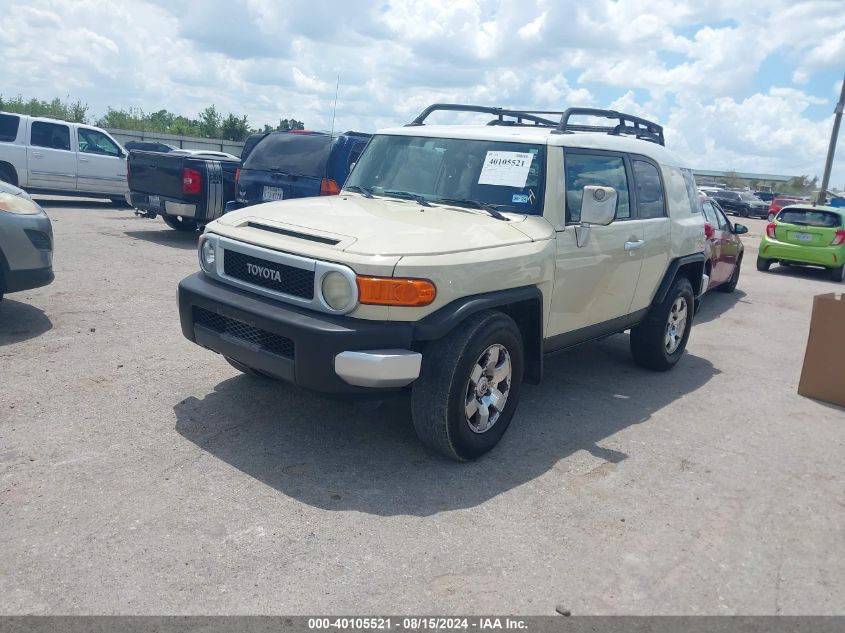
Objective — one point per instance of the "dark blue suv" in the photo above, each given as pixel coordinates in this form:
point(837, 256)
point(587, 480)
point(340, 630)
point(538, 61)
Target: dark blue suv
point(296, 164)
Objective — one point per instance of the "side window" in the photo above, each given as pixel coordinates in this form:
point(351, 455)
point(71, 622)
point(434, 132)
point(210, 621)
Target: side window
point(692, 190)
point(94, 142)
point(50, 135)
point(710, 213)
point(9, 124)
point(678, 193)
point(649, 190)
point(355, 154)
point(724, 224)
point(595, 169)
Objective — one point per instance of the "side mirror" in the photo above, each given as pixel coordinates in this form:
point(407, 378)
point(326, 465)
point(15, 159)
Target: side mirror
point(598, 205)
point(739, 229)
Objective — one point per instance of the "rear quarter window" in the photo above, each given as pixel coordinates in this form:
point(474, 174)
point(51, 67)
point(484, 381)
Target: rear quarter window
point(9, 125)
point(291, 153)
point(681, 197)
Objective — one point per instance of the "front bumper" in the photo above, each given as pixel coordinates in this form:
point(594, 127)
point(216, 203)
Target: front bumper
point(317, 351)
point(26, 251)
point(828, 256)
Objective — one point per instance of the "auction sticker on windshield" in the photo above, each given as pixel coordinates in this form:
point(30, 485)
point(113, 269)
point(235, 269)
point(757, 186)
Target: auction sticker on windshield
point(508, 169)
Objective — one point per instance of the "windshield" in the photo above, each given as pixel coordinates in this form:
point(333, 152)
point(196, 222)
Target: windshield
point(749, 197)
point(808, 217)
point(507, 175)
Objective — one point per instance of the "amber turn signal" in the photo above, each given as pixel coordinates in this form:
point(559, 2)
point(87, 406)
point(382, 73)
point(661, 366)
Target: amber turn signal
point(392, 291)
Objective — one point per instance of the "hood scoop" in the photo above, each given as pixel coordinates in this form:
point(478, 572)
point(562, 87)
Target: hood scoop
point(295, 234)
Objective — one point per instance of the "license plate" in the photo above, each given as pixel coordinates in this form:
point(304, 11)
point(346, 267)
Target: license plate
point(154, 201)
point(273, 193)
point(803, 237)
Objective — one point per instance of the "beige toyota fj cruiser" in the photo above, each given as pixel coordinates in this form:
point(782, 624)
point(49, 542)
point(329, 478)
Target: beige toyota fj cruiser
point(453, 260)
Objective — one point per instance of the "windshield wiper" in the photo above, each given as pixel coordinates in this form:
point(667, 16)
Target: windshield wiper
point(362, 190)
point(492, 209)
point(406, 195)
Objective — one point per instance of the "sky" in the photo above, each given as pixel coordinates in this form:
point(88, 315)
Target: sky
point(746, 86)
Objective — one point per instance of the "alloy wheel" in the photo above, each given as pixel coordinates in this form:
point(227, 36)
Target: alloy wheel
point(487, 388)
point(676, 325)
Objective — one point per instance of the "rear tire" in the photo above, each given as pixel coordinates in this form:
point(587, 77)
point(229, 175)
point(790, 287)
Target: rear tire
point(838, 274)
point(763, 264)
point(730, 284)
point(7, 175)
point(463, 377)
point(660, 340)
point(179, 223)
point(743, 213)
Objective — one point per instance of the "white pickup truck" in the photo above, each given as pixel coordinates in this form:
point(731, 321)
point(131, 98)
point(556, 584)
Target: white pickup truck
point(44, 155)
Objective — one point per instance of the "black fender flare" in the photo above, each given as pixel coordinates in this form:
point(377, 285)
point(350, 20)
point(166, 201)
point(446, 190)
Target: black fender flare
point(523, 304)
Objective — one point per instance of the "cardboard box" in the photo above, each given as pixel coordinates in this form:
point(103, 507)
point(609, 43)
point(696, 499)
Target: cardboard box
point(823, 375)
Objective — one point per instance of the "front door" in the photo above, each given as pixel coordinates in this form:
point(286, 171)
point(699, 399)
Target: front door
point(595, 283)
point(50, 160)
point(102, 168)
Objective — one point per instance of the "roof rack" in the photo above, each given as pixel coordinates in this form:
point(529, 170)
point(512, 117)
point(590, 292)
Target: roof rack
point(518, 117)
point(628, 124)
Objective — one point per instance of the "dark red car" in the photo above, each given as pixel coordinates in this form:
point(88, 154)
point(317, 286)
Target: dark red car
point(723, 249)
point(779, 203)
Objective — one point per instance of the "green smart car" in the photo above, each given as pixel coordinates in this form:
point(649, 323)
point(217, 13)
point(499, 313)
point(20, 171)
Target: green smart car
point(806, 235)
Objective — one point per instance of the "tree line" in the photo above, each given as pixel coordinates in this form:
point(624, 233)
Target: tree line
point(209, 123)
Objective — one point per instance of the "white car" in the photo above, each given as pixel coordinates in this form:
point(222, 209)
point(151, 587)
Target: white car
point(44, 155)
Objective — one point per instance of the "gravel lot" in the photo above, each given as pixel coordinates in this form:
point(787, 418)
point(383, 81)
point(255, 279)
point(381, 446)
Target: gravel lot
point(140, 474)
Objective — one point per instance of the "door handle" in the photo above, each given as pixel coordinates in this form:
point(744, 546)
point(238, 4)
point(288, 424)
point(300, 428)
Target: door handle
point(37, 155)
point(633, 245)
point(83, 160)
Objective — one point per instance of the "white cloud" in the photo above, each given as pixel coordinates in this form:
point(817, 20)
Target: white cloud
point(721, 76)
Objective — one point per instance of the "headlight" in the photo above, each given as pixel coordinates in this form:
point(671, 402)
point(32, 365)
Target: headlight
point(337, 290)
point(207, 255)
point(18, 204)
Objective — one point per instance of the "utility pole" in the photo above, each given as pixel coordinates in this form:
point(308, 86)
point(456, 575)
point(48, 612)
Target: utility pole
point(831, 150)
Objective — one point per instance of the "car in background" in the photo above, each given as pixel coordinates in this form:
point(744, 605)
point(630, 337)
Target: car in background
point(26, 242)
point(805, 235)
point(57, 157)
point(740, 203)
point(766, 196)
point(296, 164)
point(779, 203)
point(723, 249)
point(148, 146)
point(186, 189)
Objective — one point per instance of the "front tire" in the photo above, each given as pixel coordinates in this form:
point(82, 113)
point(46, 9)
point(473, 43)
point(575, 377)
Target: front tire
point(179, 223)
point(469, 386)
point(660, 340)
point(763, 264)
point(743, 213)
